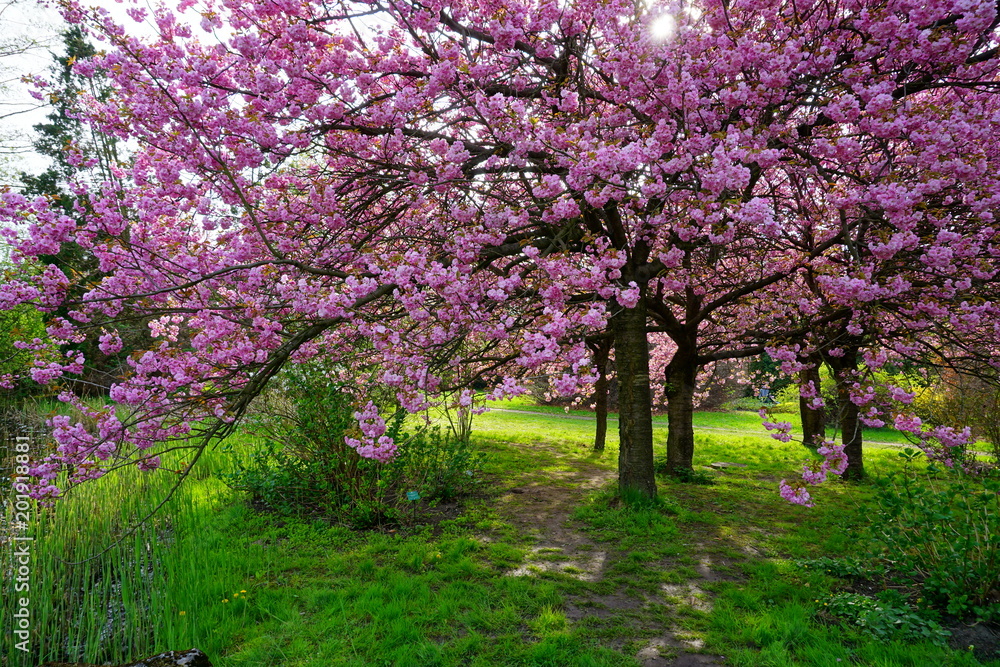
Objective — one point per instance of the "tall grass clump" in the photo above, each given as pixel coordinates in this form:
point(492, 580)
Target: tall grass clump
point(107, 588)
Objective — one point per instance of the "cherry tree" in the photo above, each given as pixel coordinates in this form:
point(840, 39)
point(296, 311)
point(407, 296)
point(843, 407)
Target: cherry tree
point(912, 281)
point(840, 141)
point(456, 182)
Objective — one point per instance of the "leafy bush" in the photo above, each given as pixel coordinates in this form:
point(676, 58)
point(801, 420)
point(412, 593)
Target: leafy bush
point(885, 619)
point(437, 464)
point(20, 323)
point(429, 464)
point(940, 530)
point(306, 467)
point(747, 403)
point(787, 408)
point(960, 400)
point(282, 482)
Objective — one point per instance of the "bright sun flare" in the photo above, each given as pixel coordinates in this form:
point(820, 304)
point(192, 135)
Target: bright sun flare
point(663, 27)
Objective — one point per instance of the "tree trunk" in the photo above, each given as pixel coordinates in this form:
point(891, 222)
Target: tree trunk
point(850, 424)
point(635, 414)
point(813, 420)
point(680, 388)
point(601, 350)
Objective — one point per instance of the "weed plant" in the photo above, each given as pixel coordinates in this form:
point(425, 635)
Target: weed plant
point(861, 568)
point(890, 620)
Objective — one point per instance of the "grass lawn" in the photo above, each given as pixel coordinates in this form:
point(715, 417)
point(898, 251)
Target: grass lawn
point(744, 422)
point(541, 565)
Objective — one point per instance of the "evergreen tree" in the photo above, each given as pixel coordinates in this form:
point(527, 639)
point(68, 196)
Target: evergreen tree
point(61, 136)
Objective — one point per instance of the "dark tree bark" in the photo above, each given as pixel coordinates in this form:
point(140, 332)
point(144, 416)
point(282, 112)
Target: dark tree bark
point(635, 414)
point(680, 389)
point(813, 419)
point(844, 368)
point(601, 350)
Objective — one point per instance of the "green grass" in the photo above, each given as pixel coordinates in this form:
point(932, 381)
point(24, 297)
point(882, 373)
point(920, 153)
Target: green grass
point(104, 587)
point(742, 421)
point(441, 593)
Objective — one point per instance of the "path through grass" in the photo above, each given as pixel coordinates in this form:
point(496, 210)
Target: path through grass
point(546, 567)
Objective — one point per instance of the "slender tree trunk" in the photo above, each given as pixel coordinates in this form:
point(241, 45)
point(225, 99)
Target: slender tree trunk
point(813, 419)
point(680, 388)
point(635, 414)
point(850, 422)
point(601, 350)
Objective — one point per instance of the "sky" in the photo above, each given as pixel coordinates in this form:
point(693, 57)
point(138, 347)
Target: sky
point(28, 34)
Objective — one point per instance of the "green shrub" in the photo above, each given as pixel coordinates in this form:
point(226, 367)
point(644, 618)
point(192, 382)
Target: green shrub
point(960, 400)
point(282, 482)
point(307, 468)
point(747, 403)
point(786, 408)
point(437, 464)
point(21, 323)
point(430, 464)
point(940, 530)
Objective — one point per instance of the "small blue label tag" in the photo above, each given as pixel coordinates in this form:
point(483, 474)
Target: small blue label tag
point(412, 495)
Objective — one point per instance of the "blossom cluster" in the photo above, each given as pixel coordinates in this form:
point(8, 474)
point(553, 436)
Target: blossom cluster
point(815, 472)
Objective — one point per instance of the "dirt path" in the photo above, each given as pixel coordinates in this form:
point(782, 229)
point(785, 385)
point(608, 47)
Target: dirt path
point(541, 510)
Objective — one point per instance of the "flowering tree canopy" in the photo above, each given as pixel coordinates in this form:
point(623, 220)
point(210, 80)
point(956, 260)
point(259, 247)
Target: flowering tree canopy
point(492, 184)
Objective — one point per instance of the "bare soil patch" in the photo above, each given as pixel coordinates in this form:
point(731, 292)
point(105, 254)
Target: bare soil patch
point(541, 510)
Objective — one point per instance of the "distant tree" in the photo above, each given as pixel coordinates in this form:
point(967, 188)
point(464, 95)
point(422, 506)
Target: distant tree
point(22, 323)
point(600, 348)
point(65, 140)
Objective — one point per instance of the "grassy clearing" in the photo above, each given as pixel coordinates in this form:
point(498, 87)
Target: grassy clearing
point(543, 566)
point(741, 421)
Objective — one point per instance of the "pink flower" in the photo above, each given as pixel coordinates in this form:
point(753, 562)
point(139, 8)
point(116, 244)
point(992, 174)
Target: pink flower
point(901, 395)
point(373, 444)
point(908, 423)
point(629, 298)
point(795, 494)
